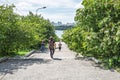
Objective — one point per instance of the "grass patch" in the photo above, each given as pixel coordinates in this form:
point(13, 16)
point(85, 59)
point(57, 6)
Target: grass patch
point(12, 54)
point(118, 69)
point(22, 53)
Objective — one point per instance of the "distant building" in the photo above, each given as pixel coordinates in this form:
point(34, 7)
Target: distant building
point(70, 24)
point(57, 24)
point(60, 24)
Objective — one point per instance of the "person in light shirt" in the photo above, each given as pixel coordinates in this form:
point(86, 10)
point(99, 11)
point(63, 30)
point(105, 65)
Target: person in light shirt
point(60, 45)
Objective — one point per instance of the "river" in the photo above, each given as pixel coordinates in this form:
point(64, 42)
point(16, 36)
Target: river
point(59, 33)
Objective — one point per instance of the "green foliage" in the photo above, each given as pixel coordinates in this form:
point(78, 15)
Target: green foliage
point(22, 32)
point(22, 53)
point(97, 32)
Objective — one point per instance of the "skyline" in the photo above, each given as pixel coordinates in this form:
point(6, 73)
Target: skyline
point(62, 10)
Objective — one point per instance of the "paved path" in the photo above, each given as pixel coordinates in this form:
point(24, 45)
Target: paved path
point(39, 66)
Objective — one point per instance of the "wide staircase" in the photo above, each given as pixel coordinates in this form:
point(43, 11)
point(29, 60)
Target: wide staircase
point(64, 66)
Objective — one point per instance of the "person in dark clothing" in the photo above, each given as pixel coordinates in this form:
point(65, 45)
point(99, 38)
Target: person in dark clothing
point(42, 46)
point(51, 47)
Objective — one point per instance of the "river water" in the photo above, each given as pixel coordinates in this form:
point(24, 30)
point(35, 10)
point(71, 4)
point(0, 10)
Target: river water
point(59, 33)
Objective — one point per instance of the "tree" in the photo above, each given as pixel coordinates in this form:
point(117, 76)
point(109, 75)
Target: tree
point(99, 25)
point(22, 32)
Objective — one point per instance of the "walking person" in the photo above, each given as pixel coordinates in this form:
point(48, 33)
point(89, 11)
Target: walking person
point(59, 45)
point(51, 46)
point(42, 46)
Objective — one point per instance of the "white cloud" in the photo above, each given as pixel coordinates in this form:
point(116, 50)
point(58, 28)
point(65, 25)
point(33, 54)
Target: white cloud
point(64, 18)
point(49, 3)
point(24, 6)
point(60, 3)
point(79, 5)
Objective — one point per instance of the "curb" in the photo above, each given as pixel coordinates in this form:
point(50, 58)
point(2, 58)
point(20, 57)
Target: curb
point(94, 59)
point(28, 54)
point(87, 58)
point(6, 58)
point(3, 59)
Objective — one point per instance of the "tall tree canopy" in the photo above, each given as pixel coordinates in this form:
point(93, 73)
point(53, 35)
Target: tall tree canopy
point(22, 32)
point(97, 32)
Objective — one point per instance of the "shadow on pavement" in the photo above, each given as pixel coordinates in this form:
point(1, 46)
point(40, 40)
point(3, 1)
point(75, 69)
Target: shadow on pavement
point(37, 51)
point(97, 65)
point(12, 65)
point(57, 59)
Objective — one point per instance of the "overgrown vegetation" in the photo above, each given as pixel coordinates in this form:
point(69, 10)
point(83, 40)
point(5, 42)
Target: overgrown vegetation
point(21, 33)
point(97, 32)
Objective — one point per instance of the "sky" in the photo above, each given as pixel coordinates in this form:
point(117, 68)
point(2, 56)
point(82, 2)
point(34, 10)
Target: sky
point(56, 10)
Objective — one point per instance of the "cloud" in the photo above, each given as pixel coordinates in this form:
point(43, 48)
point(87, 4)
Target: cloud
point(79, 5)
point(64, 18)
point(49, 3)
point(61, 3)
point(24, 6)
point(57, 10)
